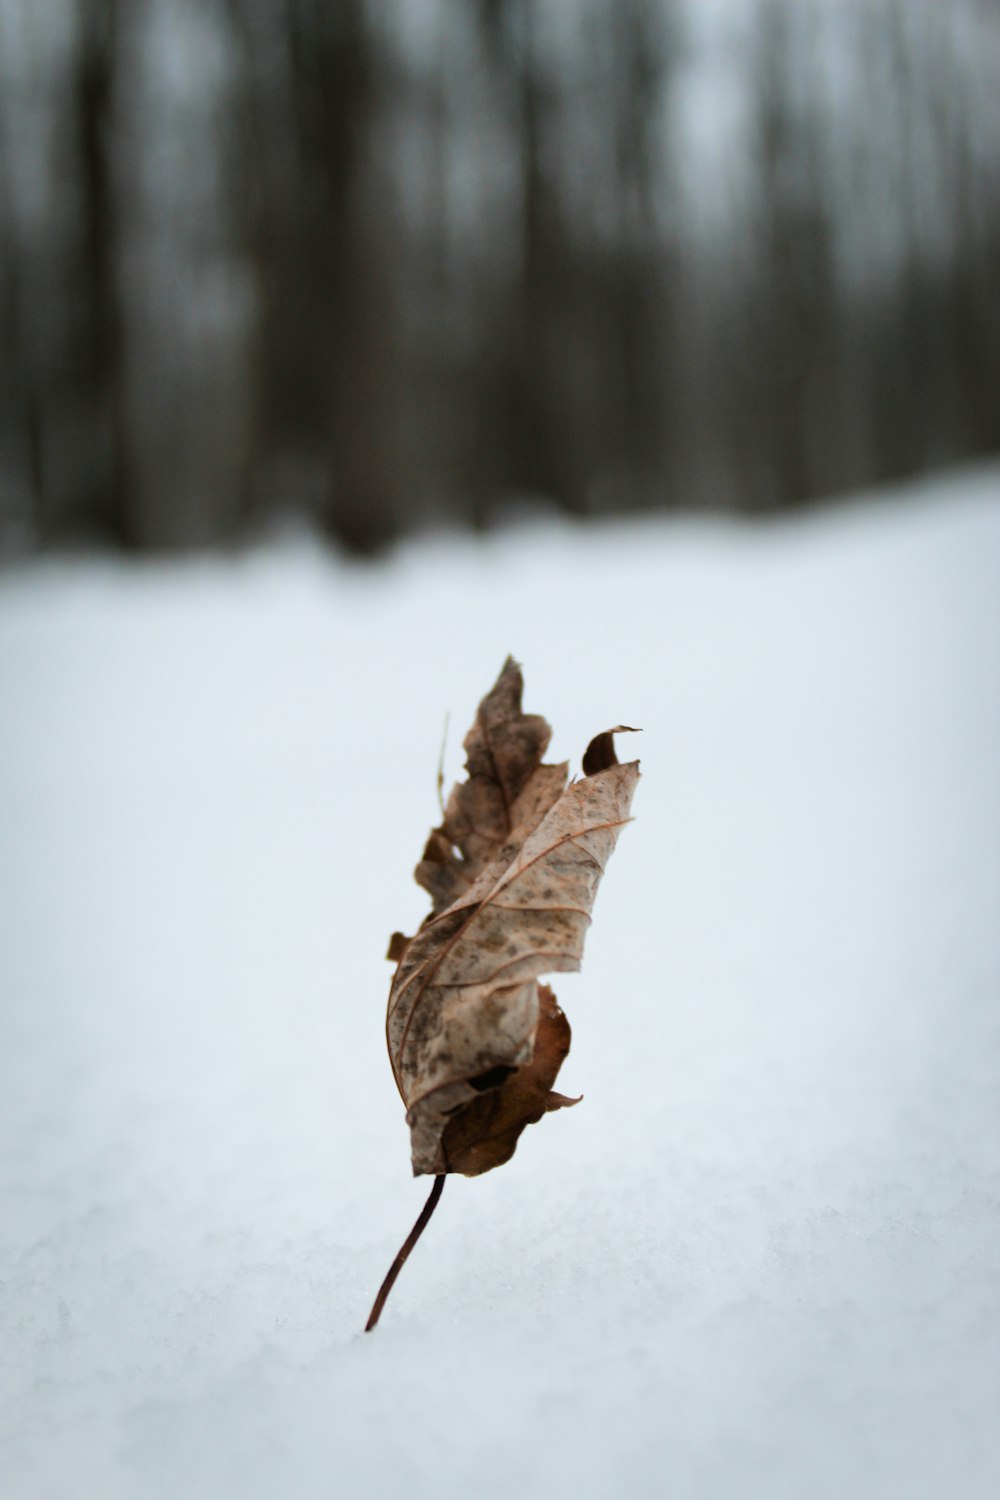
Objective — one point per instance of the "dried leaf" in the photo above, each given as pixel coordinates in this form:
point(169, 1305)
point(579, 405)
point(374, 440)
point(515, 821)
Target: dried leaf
point(475, 1040)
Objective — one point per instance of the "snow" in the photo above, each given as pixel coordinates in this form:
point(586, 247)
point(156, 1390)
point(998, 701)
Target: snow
point(762, 1257)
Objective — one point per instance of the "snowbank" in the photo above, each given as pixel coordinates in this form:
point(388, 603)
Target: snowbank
point(762, 1258)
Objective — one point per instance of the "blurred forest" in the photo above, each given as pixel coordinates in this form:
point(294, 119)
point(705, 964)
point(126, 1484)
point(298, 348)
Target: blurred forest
point(388, 263)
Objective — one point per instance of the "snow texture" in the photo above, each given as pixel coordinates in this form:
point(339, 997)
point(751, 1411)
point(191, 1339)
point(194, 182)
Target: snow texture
point(761, 1258)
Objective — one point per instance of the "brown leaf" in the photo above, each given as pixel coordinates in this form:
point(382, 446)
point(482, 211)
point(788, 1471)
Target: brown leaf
point(475, 1042)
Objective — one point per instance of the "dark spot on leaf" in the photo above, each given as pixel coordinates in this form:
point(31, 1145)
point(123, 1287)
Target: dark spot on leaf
point(492, 1078)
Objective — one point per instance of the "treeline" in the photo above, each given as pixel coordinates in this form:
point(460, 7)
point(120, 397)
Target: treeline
point(385, 263)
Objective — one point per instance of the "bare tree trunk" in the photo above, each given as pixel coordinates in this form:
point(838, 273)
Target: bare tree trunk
point(106, 506)
point(351, 323)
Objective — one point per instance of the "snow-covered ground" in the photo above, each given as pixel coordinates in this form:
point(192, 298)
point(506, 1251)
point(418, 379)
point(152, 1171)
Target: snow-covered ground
point(761, 1259)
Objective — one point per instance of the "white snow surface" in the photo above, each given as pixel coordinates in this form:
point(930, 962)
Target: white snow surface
point(761, 1259)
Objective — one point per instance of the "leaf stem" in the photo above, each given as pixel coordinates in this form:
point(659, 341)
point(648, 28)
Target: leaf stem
point(408, 1244)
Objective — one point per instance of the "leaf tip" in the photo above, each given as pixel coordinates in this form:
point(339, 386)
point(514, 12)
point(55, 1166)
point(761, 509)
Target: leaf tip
point(398, 945)
point(600, 753)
